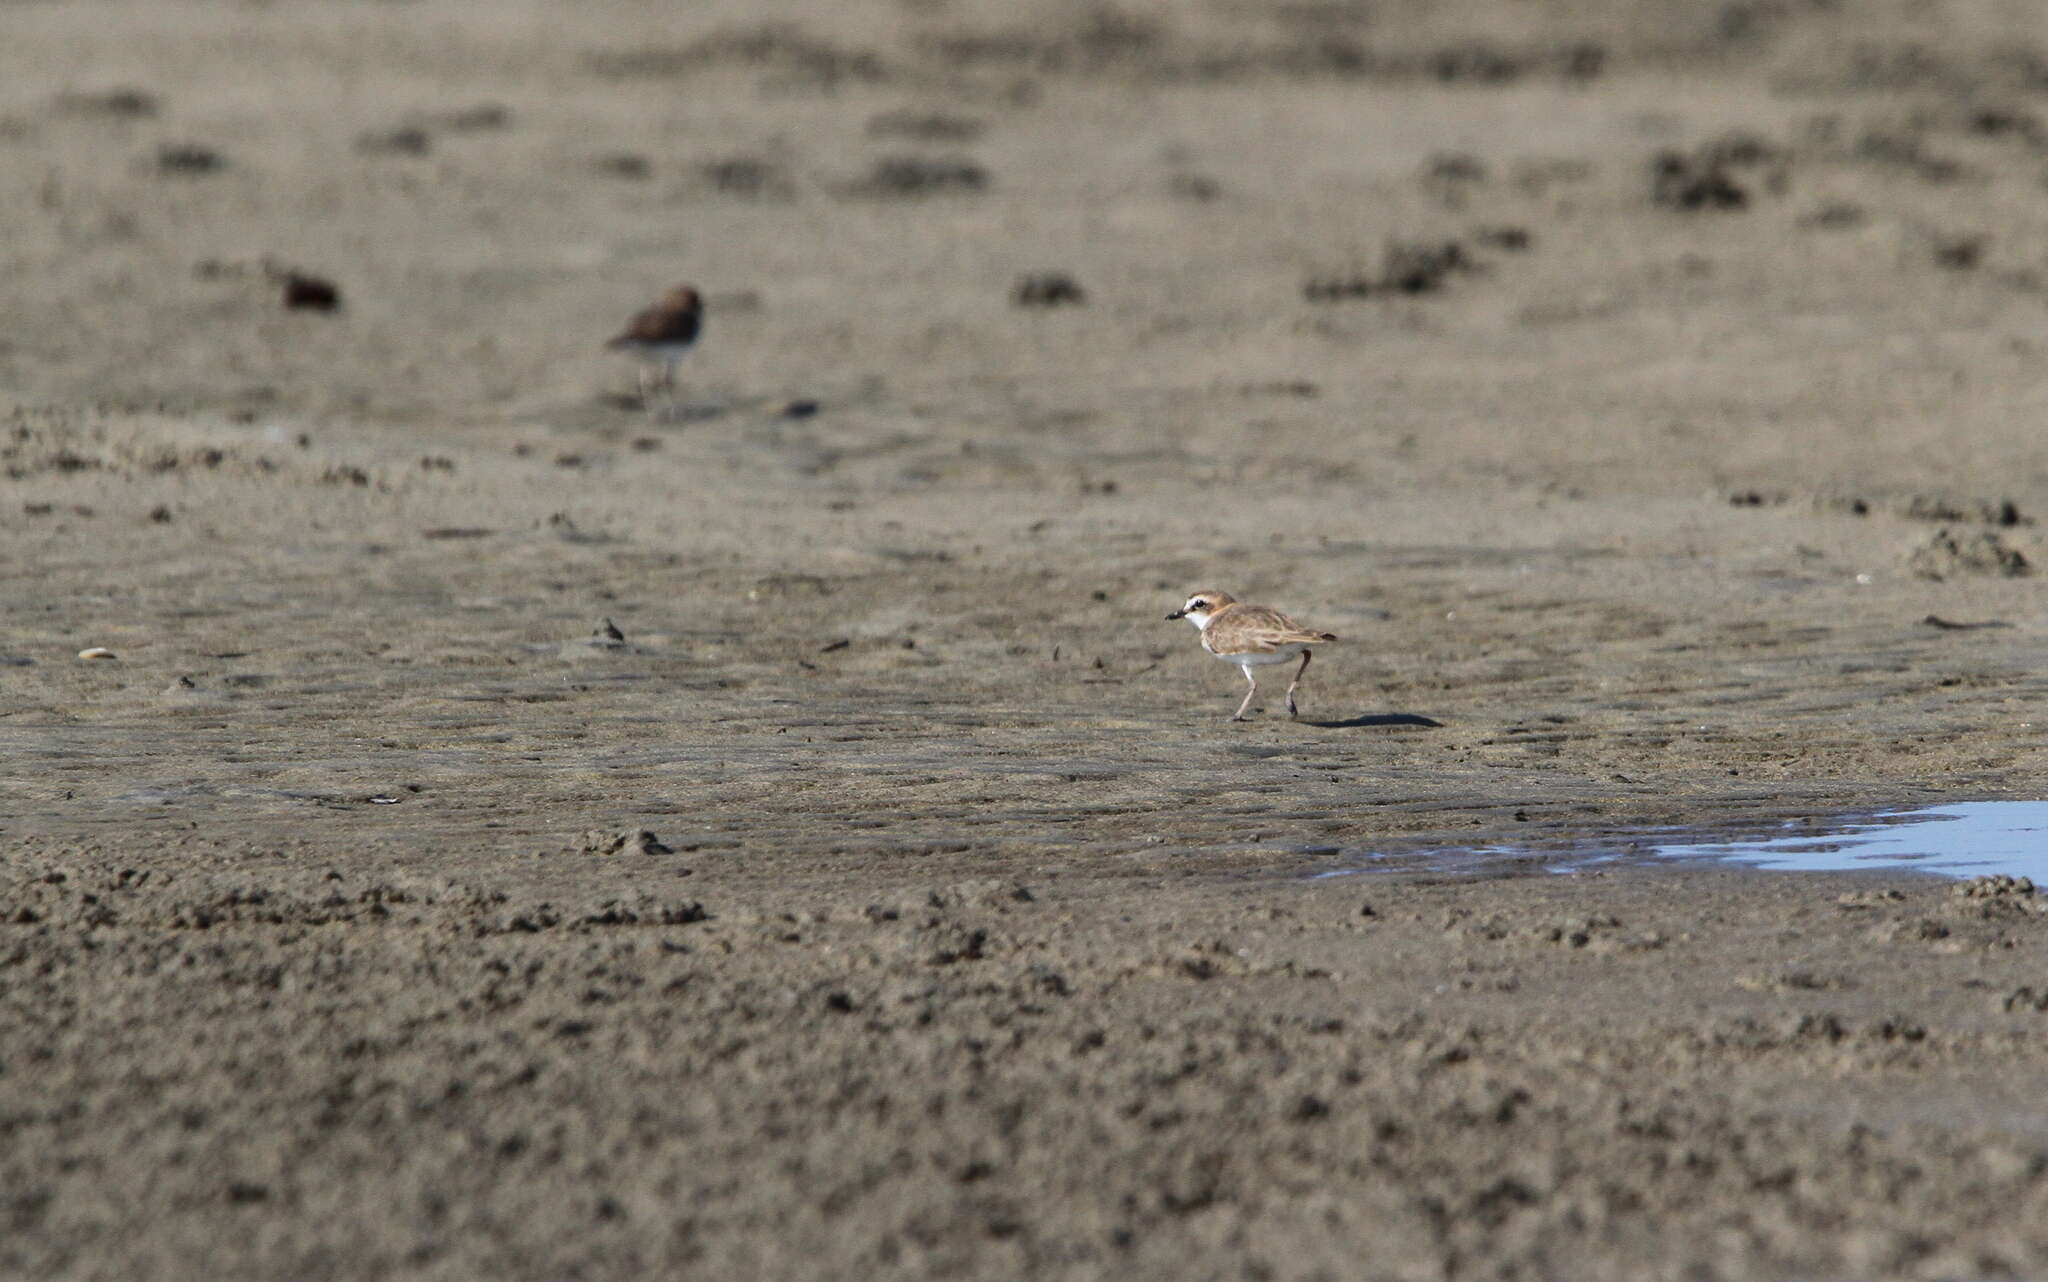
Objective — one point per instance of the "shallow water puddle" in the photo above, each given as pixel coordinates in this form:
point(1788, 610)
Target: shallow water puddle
point(1965, 839)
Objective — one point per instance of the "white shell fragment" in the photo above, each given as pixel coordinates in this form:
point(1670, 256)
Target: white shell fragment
point(97, 652)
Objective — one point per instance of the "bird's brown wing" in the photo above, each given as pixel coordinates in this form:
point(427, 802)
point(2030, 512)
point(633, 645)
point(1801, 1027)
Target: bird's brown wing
point(659, 325)
point(1254, 629)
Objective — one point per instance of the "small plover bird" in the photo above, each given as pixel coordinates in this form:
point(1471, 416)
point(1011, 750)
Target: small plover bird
point(1250, 636)
point(660, 336)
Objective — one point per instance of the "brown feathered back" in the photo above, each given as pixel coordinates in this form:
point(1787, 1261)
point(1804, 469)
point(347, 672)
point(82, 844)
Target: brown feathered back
point(1255, 629)
point(674, 321)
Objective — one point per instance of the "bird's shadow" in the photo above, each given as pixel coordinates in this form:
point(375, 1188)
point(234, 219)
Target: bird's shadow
point(684, 412)
point(1369, 719)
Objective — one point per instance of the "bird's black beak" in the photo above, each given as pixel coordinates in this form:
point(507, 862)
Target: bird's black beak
point(1178, 614)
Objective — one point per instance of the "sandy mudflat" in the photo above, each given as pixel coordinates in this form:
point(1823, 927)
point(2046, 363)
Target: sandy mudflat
point(972, 941)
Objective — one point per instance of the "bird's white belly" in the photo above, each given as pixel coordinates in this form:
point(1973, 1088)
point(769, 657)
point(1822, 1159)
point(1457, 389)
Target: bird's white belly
point(1284, 654)
point(666, 353)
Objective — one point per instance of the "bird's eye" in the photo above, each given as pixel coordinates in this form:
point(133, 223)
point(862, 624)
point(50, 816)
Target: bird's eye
point(1198, 605)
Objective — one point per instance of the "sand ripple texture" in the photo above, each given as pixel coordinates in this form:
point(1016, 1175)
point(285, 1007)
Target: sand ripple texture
point(1648, 394)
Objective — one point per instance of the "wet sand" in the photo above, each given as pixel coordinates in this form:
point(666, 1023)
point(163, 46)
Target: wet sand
point(971, 939)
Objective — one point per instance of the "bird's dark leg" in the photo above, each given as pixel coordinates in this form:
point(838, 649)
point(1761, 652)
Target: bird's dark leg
point(1292, 711)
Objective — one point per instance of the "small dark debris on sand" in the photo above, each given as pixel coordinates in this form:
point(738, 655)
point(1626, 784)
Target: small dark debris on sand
point(636, 842)
point(119, 104)
point(1455, 166)
point(781, 49)
point(1948, 555)
point(1835, 216)
point(801, 407)
point(745, 176)
point(415, 137)
point(1473, 63)
point(188, 158)
point(1413, 268)
point(483, 116)
point(922, 176)
point(1582, 61)
point(1295, 387)
point(1702, 178)
point(410, 140)
point(1995, 122)
point(1048, 289)
point(1686, 183)
point(1997, 885)
point(1959, 253)
point(624, 165)
point(2003, 513)
point(310, 293)
point(1331, 289)
point(1408, 268)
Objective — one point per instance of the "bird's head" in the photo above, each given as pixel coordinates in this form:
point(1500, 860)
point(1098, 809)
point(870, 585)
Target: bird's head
point(1203, 606)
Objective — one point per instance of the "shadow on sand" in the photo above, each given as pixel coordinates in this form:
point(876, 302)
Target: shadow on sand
point(1377, 719)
